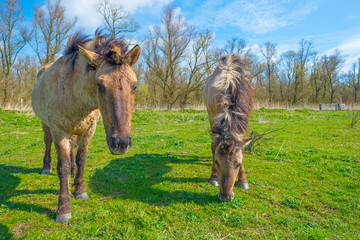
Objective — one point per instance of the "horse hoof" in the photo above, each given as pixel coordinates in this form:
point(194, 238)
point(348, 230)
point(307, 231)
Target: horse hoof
point(81, 196)
point(46, 172)
point(63, 218)
point(214, 182)
point(244, 186)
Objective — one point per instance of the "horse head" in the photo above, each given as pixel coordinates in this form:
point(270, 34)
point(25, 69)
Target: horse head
point(228, 160)
point(116, 84)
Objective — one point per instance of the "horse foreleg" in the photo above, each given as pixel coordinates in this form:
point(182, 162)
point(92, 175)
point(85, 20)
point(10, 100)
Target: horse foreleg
point(62, 145)
point(213, 178)
point(83, 143)
point(47, 158)
point(242, 178)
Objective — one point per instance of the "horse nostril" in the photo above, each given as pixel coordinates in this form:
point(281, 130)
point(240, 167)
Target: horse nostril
point(117, 142)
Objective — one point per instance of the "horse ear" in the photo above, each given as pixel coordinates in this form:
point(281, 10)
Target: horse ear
point(93, 58)
point(133, 55)
point(247, 140)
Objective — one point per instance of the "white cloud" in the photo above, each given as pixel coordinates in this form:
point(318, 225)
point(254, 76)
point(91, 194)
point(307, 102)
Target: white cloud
point(258, 16)
point(177, 12)
point(255, 48)
point(349, 61)
point(89, 18)
point(132, 5)
point(351, 49)
point(350, 46)
point(85, 11)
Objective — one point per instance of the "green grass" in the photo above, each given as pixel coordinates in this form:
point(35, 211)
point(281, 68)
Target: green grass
point(303, 185)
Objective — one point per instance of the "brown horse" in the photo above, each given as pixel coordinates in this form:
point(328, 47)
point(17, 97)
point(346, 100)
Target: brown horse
point(69, 97)
point(228, 96)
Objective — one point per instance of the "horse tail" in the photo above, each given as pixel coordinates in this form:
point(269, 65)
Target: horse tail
point(235, 91)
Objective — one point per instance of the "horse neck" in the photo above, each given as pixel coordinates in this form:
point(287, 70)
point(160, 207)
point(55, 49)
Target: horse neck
point(85, 85)
point(83, 88)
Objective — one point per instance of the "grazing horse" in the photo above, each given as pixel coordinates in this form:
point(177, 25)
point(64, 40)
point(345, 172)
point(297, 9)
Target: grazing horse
point(93, 77)
point(228, 96)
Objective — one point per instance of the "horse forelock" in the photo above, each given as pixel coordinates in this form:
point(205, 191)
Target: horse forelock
point(224, 140)
point(112, 50)
point(235, 95)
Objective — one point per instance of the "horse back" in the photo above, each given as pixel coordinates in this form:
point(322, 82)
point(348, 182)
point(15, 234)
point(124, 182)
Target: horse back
point(228, 90)
point(42, 70)
point(47, 77)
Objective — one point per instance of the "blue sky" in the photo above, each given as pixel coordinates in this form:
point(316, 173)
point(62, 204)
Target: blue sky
point(330, 24)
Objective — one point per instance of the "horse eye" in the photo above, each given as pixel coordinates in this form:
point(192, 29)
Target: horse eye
point(217, 163)
point(134, 88)
point(100, 87)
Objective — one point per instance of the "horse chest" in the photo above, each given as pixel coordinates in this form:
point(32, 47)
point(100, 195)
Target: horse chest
point(77, 124)
point(84, 125)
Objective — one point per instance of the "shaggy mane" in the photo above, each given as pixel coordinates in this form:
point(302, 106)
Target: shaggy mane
point(233, 84)
point(102, 44)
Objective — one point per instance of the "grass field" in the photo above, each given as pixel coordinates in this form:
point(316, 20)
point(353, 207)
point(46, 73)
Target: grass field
point(303, 185)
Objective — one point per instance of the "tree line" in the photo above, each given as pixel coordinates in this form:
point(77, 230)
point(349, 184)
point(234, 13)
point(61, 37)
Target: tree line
point(176, 59)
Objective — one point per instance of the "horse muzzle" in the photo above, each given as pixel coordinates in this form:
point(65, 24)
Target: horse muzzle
point(226, 197)
point(119, 145)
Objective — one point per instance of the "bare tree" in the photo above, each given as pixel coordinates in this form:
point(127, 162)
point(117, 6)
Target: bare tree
point(13, 38)
point(354, 80)
point(268, 52)
point(51, 28)
point(200, 64)
point(302, 58)
point(165, 49)
point(315, 78)
point(26, 69)
point(331, 67)
point(295, 68)
point(288, 61)
point(238, 46)
point(117, 20)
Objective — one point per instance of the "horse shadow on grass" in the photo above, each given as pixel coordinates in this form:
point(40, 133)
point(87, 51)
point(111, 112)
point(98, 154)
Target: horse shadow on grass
point(9, 183)
point(143, 177)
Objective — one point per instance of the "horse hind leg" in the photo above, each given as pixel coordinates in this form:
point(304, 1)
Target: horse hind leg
point(47, 158)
